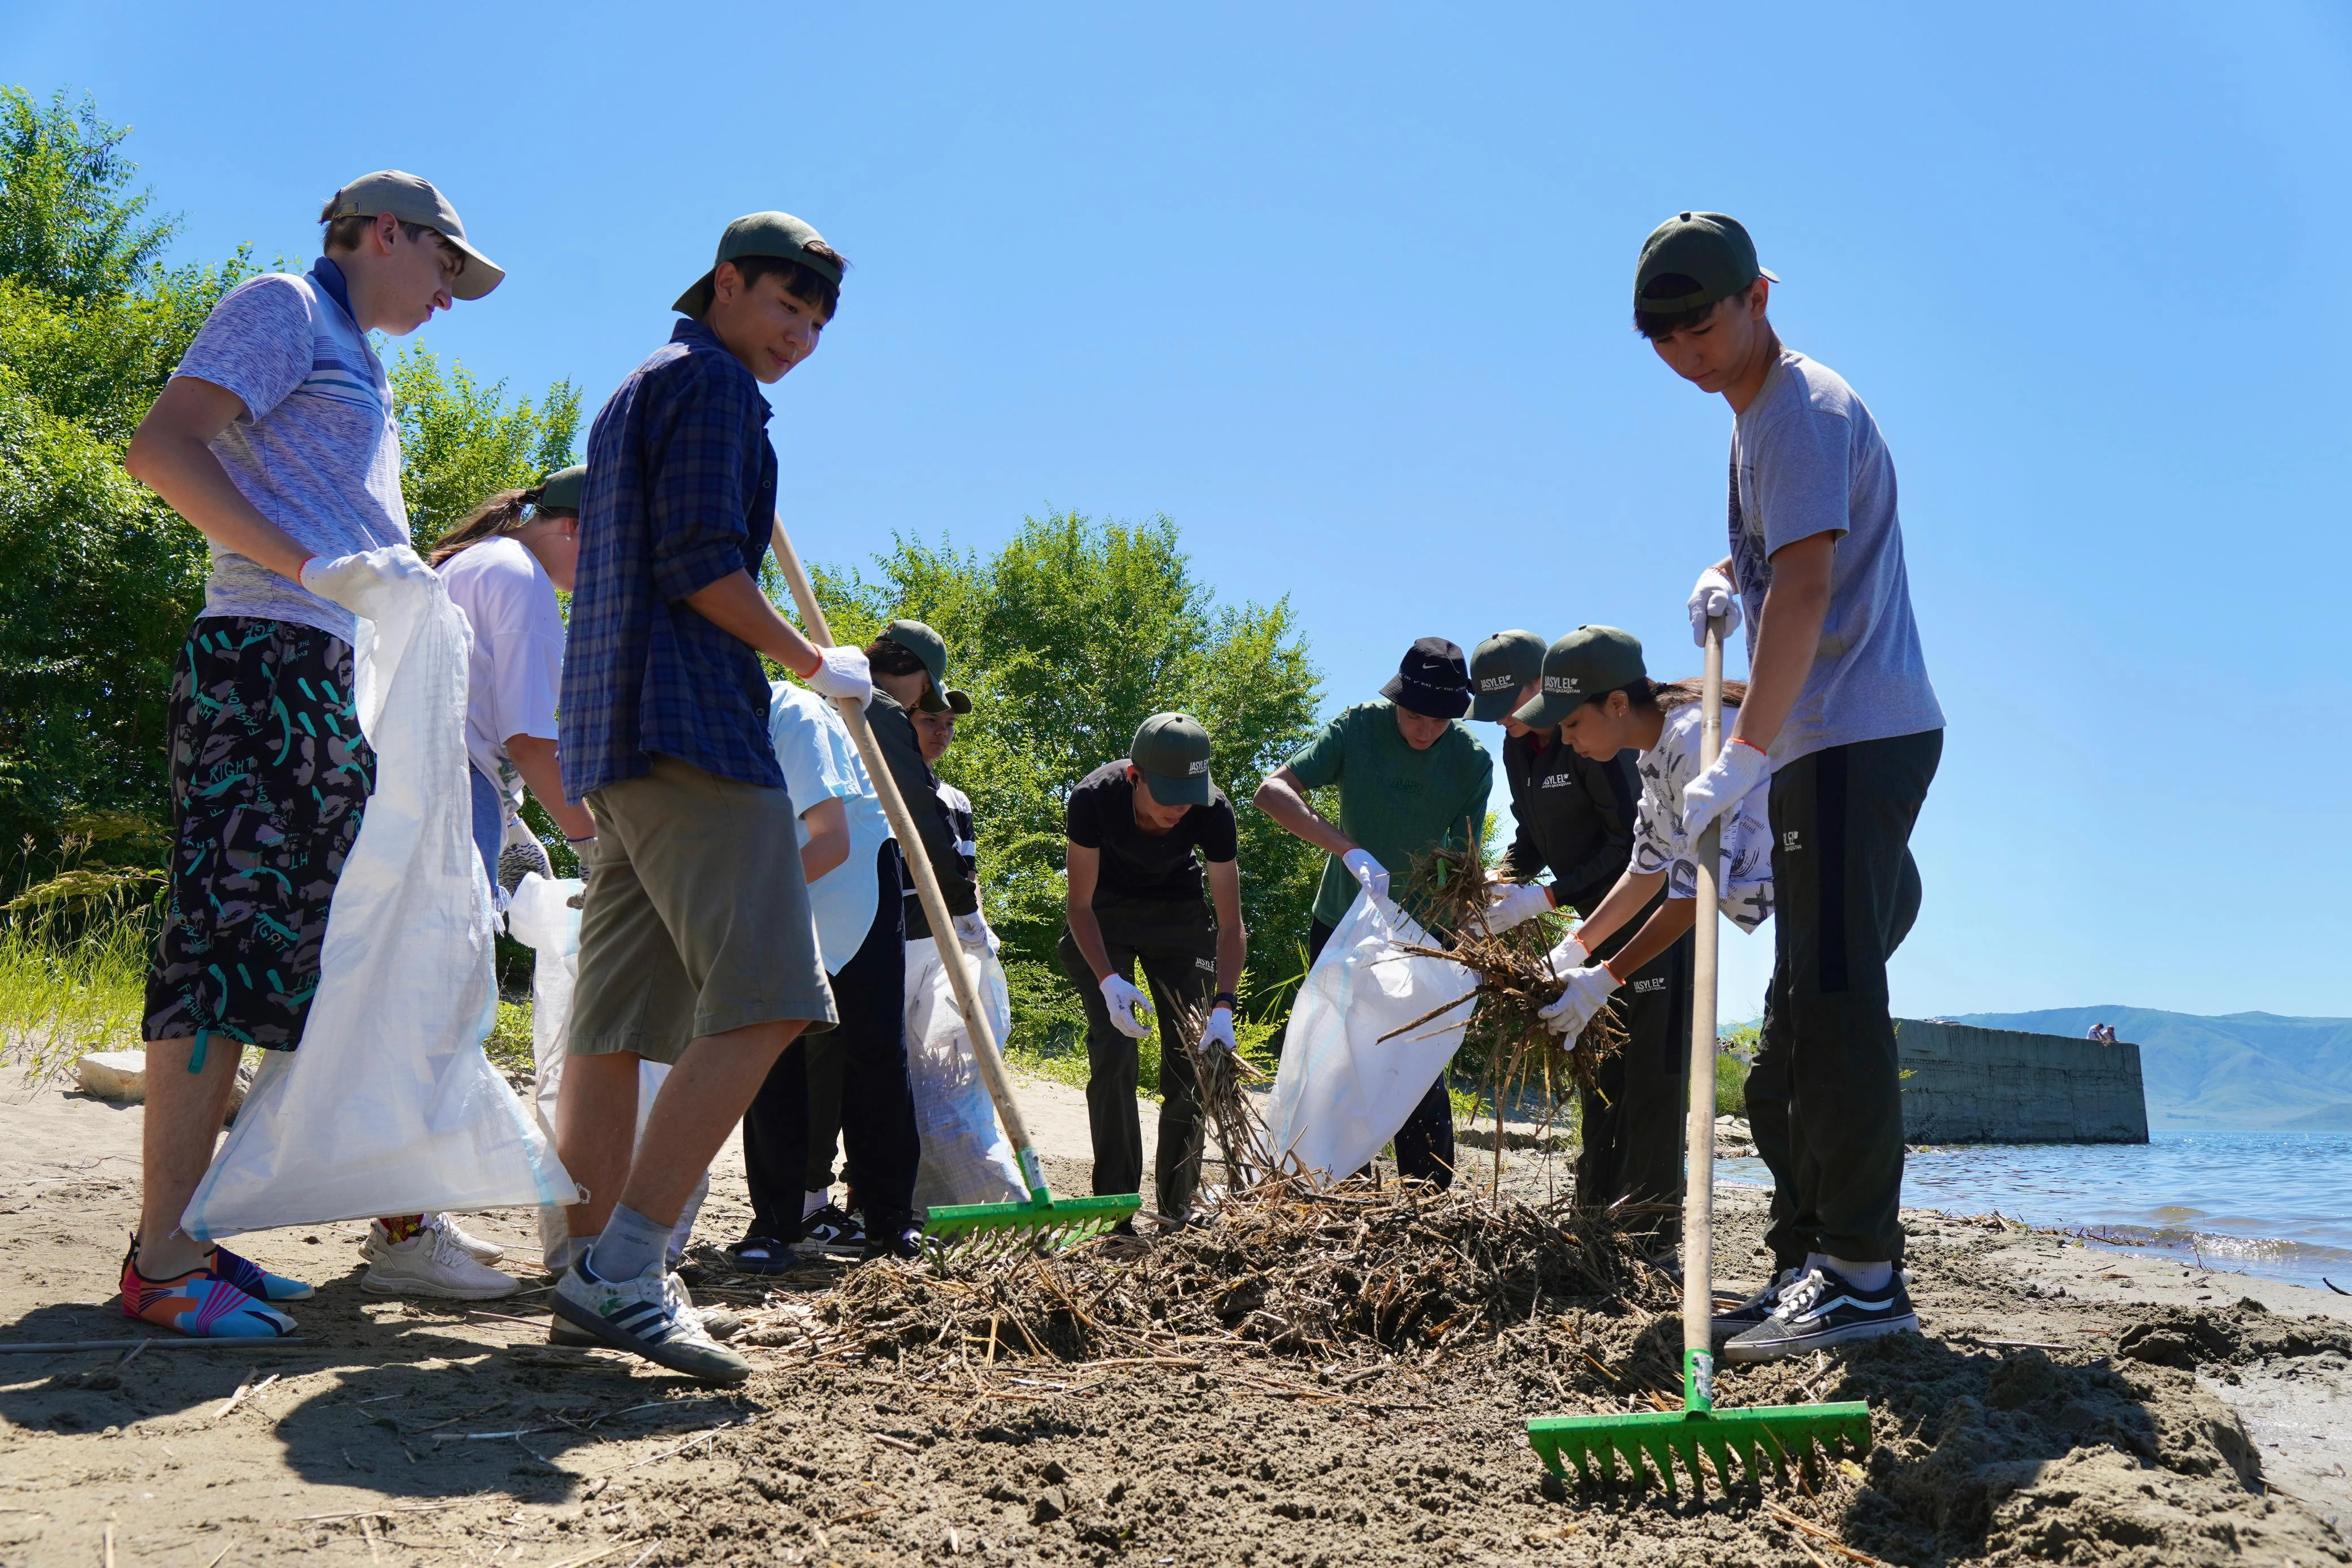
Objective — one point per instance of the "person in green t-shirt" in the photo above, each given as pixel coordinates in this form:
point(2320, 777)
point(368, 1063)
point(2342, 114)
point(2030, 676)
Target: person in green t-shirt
point(1411, 778)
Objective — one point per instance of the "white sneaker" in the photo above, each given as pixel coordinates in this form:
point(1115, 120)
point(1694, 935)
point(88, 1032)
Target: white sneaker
point(717, 1322)
point(430, 1263)
point(478, 1249)
point(649, 1316)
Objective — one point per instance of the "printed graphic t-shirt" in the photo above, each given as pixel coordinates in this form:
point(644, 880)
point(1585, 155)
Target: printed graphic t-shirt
point(1137, 864)
point(1806, 459)
point(516, 668)
point(1745, 873)
point(317, 451)
point(1393, 800)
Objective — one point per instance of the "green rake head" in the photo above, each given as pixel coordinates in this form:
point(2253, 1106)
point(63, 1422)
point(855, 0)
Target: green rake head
point(981, 1231)
point(1772, 1434)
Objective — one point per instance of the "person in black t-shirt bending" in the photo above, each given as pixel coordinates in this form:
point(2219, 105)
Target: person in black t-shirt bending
point(1135, 899)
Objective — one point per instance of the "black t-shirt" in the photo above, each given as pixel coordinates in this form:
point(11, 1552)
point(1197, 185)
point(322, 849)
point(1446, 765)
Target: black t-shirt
point(1137, 864)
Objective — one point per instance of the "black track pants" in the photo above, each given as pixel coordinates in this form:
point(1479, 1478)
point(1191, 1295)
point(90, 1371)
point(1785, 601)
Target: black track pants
point(1174, 943)
point(1632, 1130)
point(1425, 1144)
point(877, 1101)
point(1825, 1096)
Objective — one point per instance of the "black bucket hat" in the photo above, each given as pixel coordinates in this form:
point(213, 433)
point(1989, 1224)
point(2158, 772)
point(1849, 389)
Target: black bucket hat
point(1433, 680)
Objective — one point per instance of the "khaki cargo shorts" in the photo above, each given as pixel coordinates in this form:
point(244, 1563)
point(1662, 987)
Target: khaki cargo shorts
point(697, 920)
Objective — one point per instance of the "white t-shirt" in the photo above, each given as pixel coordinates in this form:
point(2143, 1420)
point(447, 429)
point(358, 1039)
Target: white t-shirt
point(516, 668)
point(1745, 875)
point(820, 763)
point(317, 453)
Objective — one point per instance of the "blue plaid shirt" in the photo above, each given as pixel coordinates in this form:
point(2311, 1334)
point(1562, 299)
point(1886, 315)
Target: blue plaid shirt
point(681, 491)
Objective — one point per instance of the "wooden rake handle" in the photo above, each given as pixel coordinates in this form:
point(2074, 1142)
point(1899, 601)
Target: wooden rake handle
point(926, 883)
point(1698, 1197)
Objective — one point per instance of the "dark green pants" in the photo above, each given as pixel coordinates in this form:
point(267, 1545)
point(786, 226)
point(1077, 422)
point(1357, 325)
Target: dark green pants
point(1632, 1145)
point(1174, 943)
point(1825, 1096)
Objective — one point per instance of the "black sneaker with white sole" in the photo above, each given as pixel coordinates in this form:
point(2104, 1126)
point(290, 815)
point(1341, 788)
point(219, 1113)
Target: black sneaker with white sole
point(1749, 1313)
point(1823, 1309)
point(832, 1233)
point(893, 1236)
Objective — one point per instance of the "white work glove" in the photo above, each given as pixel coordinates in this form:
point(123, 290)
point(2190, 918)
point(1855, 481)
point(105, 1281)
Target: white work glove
point(841, 673)
point(972, 931)
point(1368, 871)
point(1588, 992)
point(346, 580)
point(1569, 955)
point(1514, 903)
point(1131, 1009)
point(1714, 596)
point(1738, 770)
point(1219, 1031)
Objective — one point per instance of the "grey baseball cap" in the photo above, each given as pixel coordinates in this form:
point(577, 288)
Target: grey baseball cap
point(416, 201)
point(1172, 750)
point(777, 234)
point(1502, 664)
point(1590, 661)
point(561, 491)
point(932, 650)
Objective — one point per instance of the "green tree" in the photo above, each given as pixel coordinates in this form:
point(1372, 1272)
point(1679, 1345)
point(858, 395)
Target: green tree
point(69, 224)
point(461, 442)
point(1068, 638)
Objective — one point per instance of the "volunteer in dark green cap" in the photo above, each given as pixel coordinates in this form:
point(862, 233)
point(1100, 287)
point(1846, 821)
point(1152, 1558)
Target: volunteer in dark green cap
point(909, 662)
point(1576, 815)
point(504, 565)
point(698, 946)
point(1134, 901)
point(1842, 726)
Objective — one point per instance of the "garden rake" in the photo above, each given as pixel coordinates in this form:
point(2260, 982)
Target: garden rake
point(1043, 1223)
point(1775, 1434)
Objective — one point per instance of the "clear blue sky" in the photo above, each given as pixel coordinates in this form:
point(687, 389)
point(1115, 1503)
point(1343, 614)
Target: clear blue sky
point(1343, 290)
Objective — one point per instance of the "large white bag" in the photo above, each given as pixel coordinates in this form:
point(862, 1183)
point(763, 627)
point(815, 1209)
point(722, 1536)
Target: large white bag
point(542, 917)
point(1343, 1091)
point(966, 1157)
point(390, 1107)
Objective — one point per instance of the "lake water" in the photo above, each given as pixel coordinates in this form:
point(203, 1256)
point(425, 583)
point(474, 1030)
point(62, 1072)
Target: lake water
point(2276, 1203)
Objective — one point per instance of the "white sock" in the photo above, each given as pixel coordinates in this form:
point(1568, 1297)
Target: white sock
point(813, 1200)
point(1865, 1276)
point(1815, 1261)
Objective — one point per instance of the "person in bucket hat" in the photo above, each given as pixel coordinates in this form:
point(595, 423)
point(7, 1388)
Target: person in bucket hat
point(1412, 778)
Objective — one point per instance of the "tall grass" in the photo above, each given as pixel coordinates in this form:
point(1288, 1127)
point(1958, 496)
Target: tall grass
point(69, 987)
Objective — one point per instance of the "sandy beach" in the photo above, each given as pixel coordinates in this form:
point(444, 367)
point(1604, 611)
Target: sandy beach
point(2067, 1403)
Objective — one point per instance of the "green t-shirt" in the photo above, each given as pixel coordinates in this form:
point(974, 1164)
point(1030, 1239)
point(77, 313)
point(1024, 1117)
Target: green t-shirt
point(1393, 800)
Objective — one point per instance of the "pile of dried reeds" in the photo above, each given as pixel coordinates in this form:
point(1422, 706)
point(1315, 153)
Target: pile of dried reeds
point(1507, 1038)
point(1286, 1267)
point(1230, 1112)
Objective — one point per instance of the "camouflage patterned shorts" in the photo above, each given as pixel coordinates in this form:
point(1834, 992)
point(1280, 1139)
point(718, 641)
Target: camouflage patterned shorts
point(270, 778)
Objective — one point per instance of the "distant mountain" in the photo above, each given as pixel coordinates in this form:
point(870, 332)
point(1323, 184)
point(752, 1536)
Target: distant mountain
point(2255, 1070)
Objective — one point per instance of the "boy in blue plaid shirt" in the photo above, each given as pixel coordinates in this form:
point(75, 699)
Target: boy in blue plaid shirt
point(697, 946)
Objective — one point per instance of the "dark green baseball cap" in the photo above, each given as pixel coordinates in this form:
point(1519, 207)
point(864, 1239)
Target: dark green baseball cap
point(1590, 661)
point(932, 650)
point(958, 703)
point(760, 234)
point(1694, 259)
point(1172, 750)
point(561, 491)
point(1503, 663)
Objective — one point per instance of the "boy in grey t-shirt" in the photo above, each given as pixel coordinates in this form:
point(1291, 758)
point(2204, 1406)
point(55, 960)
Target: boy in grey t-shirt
point(1841, 720)
point(275, 438)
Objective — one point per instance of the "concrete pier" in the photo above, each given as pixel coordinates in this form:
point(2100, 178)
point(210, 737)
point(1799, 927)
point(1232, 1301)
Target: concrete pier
point(1963, 1085)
